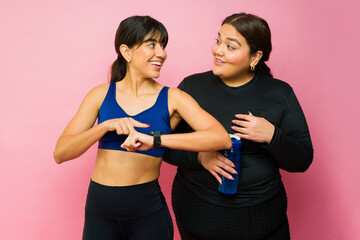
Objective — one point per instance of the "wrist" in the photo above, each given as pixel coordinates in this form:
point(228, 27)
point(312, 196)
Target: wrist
point(271, 135)
point(104, 126)
point(200, 157)
point(156, 139)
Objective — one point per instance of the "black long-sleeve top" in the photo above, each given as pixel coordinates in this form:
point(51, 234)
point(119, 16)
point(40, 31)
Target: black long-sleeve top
point(290, 148)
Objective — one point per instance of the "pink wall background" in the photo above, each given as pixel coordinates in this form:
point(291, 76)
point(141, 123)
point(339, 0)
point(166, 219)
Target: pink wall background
point(53, 52)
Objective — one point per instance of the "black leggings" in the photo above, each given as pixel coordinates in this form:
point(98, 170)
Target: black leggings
point(132, 212)
point(200, 220)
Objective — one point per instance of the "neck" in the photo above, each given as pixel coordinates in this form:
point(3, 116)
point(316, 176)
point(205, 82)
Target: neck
point(135, 85)
point(237, 81)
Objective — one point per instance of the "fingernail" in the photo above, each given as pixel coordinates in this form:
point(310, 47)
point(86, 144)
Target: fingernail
point(231, 178)
point(148, 125)
point(235, 172)
point(133, 150)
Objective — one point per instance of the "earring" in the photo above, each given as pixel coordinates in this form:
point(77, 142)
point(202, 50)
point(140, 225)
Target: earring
point(252, 68)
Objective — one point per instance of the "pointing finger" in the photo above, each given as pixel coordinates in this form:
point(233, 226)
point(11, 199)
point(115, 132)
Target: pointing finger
point(138, 124)
point(243, 116)
point(129, 124)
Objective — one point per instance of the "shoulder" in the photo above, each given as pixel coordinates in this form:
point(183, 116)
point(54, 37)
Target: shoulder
point(99, 90)
point(177, 96)
point(197, 79)
point(203, 75)
point(176, 93)
point(274, 84)
point(97, 94)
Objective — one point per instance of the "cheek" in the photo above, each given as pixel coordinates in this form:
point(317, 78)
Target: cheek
point(214, 49)
point(236, 59)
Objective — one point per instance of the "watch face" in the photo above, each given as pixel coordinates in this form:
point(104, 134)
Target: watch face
point(157, 139)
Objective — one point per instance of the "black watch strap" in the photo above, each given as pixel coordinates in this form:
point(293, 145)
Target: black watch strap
point(157, 139)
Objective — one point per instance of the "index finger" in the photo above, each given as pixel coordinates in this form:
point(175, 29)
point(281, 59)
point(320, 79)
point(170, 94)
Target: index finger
point(138, 124)
point(243, 116)
point(129, 124)
point(225, 160)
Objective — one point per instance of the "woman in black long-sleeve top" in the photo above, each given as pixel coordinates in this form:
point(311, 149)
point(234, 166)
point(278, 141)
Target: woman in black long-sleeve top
point(241, 93)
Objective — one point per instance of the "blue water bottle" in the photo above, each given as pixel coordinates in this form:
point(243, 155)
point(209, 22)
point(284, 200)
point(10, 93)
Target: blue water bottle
point(233, 154)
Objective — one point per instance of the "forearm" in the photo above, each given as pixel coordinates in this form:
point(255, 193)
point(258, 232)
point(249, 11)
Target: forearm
point(182, 158)
point(291, 155)
point(72, 146)
point(199, 141)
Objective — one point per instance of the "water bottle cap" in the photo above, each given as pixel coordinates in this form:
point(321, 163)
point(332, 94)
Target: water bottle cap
point(235, 140)
point(233, 136)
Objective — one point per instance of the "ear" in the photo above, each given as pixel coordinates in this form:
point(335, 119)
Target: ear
point(255, 58)
point(125, 52)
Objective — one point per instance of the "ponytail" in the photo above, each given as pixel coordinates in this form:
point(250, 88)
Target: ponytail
point(118, 69)
point(262, 67)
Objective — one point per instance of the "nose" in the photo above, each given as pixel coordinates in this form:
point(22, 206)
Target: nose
point(160, 51)
point(218, 49)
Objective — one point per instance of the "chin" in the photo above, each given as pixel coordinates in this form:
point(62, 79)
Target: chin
point(216, 72)
point(154, 76)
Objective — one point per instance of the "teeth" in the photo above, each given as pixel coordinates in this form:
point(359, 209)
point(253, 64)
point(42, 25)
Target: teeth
point(156, 63)
point(219, 61)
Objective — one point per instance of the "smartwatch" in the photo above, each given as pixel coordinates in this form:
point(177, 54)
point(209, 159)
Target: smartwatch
point(157, 139)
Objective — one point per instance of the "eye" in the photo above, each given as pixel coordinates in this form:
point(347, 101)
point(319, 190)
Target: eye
point(151, 45)
point(230, 47)
point(217, 41)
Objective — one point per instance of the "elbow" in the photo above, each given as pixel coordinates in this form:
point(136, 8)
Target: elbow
point(227, 143)
point(58, 160)
point(300, 168)
point(308, 160)
point(57, 157)
point(307, 165)
point(224, 141)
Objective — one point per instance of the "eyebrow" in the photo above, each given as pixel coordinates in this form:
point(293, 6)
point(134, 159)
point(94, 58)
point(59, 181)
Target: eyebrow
point(150, 40)
point(231, 39)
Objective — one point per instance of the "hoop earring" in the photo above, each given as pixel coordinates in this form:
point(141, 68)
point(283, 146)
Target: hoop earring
point(252, 68)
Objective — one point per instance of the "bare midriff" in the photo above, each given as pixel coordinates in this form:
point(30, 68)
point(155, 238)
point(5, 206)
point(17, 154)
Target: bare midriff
point(120, 168)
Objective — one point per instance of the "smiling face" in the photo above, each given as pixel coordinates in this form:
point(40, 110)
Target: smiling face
point(147, 58)
point(231, 52)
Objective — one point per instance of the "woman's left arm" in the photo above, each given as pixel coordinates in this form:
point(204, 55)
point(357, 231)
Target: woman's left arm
point(290, 143)
point(209, 135)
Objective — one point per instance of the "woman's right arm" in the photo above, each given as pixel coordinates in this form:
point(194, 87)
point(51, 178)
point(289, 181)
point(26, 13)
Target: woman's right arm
point(80, 134)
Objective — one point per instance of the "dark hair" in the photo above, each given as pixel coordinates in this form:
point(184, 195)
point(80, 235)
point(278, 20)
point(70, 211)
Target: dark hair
point(257, 33)
point(132, 32)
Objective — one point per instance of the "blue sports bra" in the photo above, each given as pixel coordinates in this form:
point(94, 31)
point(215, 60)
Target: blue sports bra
point(157, 116)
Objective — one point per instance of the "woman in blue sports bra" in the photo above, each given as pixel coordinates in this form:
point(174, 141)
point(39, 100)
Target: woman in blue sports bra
point(135, 117)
